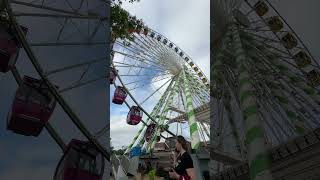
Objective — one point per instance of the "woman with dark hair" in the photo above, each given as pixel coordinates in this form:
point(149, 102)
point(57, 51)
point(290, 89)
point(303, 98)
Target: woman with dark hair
point(184, 169)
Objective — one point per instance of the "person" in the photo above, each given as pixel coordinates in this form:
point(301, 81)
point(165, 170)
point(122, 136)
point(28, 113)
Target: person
point(184, 169)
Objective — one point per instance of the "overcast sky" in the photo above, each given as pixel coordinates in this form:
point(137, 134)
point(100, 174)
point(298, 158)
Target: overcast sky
point(184, 22)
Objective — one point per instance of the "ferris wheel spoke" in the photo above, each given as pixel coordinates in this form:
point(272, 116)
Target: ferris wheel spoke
point(197, 89)
point(66, 68)
point(286, 129)
point(205, 129)
point(43, 15)
point(47, 8)
point(139, 67)
point(136, 47)
point(81, 84)
point(275, 129)
point(143, 51)
point(136, 86)
point(148, 67)
point(258, 29)
point(141, 75)
point(160, 47)
point(265, 59)
point(151, 44)
point(277, 124)
point(138, 55)
point(148, 97)
point(68, 44)
point(288, 135)
point(142, 60)
point(201, 95)
point(146, 41)
point(144, 81)
point(146, 47)
point(147, 44)
point(263, 42)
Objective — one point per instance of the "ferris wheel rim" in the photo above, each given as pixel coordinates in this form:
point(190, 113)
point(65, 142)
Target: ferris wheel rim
point(73, 117)
point(165, 42)
point(290, 28)
point(185, 55)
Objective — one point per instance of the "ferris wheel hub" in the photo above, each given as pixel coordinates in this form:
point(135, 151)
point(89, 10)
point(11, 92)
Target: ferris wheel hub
point(171, 62)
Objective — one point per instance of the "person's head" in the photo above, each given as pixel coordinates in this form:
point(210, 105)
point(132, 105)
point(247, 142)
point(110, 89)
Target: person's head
point(181, 143)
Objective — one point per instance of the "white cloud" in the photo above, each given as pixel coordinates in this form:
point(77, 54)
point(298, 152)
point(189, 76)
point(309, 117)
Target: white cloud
point(121, 133)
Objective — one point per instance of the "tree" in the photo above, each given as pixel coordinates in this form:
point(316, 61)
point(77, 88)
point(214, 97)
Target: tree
point(120, 1)
point(122, 23)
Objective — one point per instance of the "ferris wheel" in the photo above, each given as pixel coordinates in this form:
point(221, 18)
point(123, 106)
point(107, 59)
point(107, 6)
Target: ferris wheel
point(162, 88)
point(265, 84)
point(66, 43)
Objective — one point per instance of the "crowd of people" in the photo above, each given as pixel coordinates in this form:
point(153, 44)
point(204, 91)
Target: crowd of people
point(182, 165)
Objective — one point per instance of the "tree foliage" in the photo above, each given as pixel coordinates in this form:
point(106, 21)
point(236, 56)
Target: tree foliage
point(122, 23)
point(119, 151)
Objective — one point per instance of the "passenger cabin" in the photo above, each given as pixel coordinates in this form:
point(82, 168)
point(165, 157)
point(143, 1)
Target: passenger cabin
point(289, 41)
point(81, 161)
point(261, 8)
point(302, 59)
point(165, 41)
point(134, 116)
point(119, 95)
point(149, 131)
point(31, 109)
point(275, 23)
point(9, 46)
point(313, 78)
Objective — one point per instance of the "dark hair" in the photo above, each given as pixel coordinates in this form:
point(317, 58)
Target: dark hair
point(183, 142)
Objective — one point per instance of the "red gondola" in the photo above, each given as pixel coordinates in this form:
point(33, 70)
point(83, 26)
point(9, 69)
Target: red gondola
point(112, 75)
point(134, 116)
point(31, 109)
point(9, 47)
point(81, 161)
point(119, 95)
point(149, 131)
